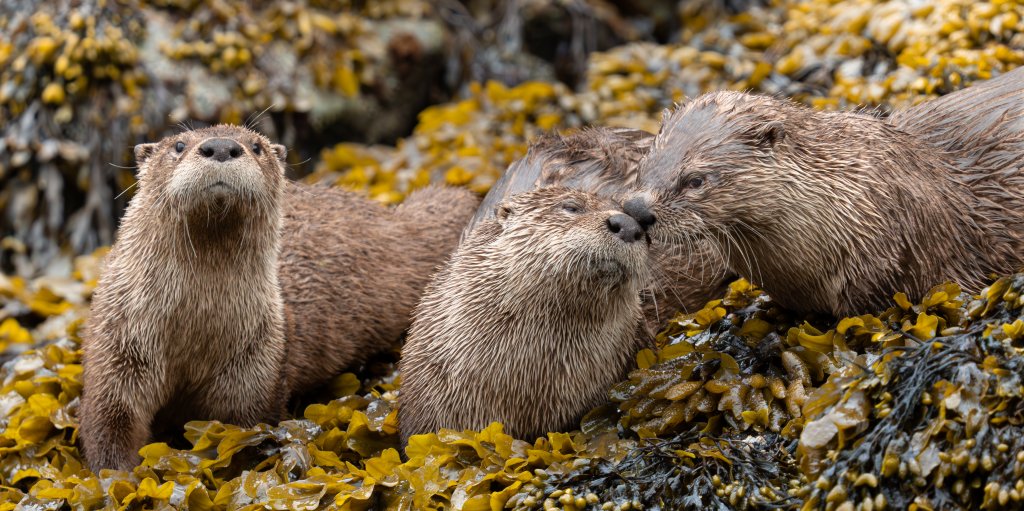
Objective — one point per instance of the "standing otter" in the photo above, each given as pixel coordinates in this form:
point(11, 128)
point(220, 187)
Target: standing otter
point(229, 288)
point(532, 320)
point(836, 212)
point(604, 161)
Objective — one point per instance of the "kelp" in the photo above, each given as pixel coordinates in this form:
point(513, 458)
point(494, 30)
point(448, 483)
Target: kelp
point(938, 419)
point(691, 470)
point(83, 81)
point(917, 406)
point(726, 366)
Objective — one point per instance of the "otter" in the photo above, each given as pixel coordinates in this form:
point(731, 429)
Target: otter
point(230, 289)
point(534, 317)
point(834, 212)
point(604, 161)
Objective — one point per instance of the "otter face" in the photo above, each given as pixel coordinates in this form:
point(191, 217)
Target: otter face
point(561, 232)
point(714, 162)
point(211, 169)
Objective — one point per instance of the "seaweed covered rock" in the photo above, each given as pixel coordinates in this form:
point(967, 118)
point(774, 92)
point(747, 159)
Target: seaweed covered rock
point(84, 81)
point(935, 421)
point(919, 404)
point(846, 54)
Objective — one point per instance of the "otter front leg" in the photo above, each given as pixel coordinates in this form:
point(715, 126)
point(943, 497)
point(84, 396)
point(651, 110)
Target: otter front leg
point(119, 401)
point(248, 390)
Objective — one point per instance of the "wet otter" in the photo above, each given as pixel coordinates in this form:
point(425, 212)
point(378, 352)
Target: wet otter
point(604, 161)
point(229, 288)
point(837, 212)
point(532, 320)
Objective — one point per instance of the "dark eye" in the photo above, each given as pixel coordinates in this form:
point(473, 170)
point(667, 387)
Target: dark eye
point(571, 207)
point(180, 147)
point(694, 182)
point(257, 149)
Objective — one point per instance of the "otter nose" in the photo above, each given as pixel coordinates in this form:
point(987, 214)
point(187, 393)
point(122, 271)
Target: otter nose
point(220, 149)
point(638, 209)
point(625, 228)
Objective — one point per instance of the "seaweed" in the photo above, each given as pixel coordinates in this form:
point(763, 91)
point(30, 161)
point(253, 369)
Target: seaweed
point(689, 471)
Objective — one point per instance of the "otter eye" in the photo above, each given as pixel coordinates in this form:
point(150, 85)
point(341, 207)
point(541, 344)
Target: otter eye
point(571, 207)
point(180, 147)
point(257, 149)
point(694, 182)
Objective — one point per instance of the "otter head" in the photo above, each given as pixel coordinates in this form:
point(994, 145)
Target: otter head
point(720, 171)
point(565, 234)
point(212, 172)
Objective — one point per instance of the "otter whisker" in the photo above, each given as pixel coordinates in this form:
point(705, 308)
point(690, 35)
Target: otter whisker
point(126, 190)
point(740, 250)
point(724, 255)
point(257, 117)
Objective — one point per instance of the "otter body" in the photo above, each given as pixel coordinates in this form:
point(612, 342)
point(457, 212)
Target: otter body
point(229, 288)
point(352, 271)
point(604, 161)
point(836, 212)
point(532, 320)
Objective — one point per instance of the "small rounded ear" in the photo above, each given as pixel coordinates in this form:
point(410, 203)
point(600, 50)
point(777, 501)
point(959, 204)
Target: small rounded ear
point(280, 151)
point(770, 133)
point(502, 212)
point(143, 152)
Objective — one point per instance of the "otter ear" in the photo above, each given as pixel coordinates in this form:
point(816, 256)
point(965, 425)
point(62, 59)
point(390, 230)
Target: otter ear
point(280, 151)
point(769, 134)
point(502, 212)
point(143, 152)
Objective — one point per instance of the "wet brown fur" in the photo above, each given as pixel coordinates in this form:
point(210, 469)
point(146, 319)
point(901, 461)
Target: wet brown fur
point(532, 320)
point(836, 212)
point(205, 282)
point(604, 161)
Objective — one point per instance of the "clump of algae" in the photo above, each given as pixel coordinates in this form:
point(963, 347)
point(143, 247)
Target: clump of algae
point(741, 406)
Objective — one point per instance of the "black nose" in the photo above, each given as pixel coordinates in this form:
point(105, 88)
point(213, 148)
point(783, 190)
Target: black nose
point(625, 227)
point(638, 209)
point(220, 149)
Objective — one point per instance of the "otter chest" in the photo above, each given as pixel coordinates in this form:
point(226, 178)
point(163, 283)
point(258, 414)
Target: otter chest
point(208, 321)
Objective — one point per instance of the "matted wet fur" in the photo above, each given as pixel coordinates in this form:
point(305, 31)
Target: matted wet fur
point(604, 161)
point(219, 259)
point(836, 212)
point(532, 320)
